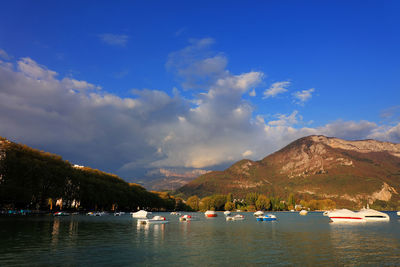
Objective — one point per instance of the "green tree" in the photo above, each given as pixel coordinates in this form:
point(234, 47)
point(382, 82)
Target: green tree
point(206, 203)
point(229, 206)
point(263, 203)
point(193, 202)
point(251, 199)
point(219, 201)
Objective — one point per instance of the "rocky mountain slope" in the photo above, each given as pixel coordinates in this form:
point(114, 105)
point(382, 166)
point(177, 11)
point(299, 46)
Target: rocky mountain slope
point(348, 172)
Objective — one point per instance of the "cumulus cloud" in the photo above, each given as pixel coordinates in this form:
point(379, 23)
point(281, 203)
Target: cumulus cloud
point(151, 129)
point(300, 97)
point(276, 88)
point(114, 39)
point(196, 65)
point(4, 55)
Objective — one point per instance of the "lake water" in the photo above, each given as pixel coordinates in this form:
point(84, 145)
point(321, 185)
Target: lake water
point(310, 240)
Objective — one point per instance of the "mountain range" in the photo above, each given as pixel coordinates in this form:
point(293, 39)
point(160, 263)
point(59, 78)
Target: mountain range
point(351, 173)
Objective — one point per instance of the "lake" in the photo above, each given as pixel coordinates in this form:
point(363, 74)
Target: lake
point(80, 240)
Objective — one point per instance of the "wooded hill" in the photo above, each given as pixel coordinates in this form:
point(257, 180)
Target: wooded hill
point(33, 179)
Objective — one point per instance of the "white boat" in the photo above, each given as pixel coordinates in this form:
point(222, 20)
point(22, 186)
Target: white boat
point(119, 213)
point(229, 218)
point(238, 217)
point(345, 215)
point(210, 213)
point(398, 213)
point(155, 219)
point(141, 214)
point(371, 215)
point(175, 213)
point(61, 213)
point(303, 212)
point(258, 213)
point(185, 218)
point(227, 213)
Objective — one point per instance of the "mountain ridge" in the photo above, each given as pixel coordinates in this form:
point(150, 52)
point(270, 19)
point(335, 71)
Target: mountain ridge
point(316, 166)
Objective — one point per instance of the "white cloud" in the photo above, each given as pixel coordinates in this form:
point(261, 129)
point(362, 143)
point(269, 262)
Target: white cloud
point(247, 153)
point(303, 96)
point(151, 129)
point(114, 39)
point(276, 88)
point(252, 93)
point(4, 55)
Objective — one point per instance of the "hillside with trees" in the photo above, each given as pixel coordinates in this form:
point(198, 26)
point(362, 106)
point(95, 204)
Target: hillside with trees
point(33, 179)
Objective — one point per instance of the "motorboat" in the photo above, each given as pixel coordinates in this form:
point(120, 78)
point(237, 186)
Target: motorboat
point(61, 213)
point(175, 213)
point(185, 218)
point(154, 220)
point(119, 213)
point(303, 212)
point(227, 213)
point(266, 218)
point(210, 214)
point(101, 213)
point(371, 215)
point(398, 213)
point(229, 218)
point(258, 213)
point(141, 214)
point(345, 215)
point(237, 217)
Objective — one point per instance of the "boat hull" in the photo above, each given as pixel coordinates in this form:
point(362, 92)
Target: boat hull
point(348, 219)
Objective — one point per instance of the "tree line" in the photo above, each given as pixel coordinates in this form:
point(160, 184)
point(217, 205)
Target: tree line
point(33, 179)
point(255, 201)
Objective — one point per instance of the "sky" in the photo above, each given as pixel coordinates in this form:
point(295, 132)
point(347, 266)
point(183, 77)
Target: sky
point(133, 87)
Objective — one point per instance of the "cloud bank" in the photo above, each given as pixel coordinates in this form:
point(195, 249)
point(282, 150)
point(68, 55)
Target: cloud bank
point(152, 129)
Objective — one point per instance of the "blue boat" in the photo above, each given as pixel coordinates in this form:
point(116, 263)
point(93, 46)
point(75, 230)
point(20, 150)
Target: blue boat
point(266, 218)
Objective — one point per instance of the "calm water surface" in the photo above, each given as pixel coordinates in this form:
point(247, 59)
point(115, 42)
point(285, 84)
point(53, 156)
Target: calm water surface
point(102, 241)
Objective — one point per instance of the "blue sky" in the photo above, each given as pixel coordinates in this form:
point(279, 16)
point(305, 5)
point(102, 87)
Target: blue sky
point(155, 83)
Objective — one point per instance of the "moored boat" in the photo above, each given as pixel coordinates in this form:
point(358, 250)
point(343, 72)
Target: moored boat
point(210, 213)
point(141, 214)
point(266, 218)
point(227, 213)
point(373, 215)
point(185, 218)
point(303, 212)
point(345, 215)
point(155, 219)
point(61, 213)
point(258, 213)
point(398, 213)
point(238, 217)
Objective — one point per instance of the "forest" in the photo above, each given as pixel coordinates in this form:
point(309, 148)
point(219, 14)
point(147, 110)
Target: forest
point(37, 180)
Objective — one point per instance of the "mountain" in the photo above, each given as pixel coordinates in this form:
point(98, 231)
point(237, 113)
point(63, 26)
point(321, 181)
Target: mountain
point(313, 167)
point(168, 180)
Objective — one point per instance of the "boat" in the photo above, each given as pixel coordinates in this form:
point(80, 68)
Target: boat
point(303, 212)
point(258, 213)
point(266, 218)
point(154, 220)
point(61, 213)
point(398, 213)
point(227, 213)
point(238, 217)
point(345, 215)
point(210, 213)
point(141, 214)
point(229, 218)
point(371, 215)
point(326, 213)
point(99, 213)
point(175, 213)
point(185, 218)
point(119, 213)
point(90, 213)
